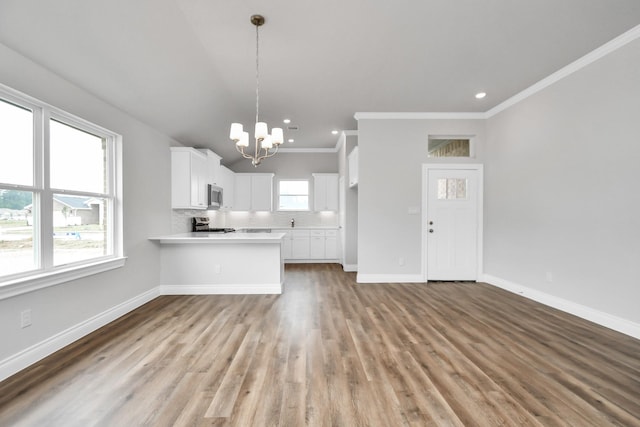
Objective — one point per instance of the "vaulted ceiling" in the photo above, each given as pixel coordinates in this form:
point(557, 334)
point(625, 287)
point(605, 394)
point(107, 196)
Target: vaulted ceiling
point(187, 67)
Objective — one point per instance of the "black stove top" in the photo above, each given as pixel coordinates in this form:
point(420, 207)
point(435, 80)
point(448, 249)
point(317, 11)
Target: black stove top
point(215, 230)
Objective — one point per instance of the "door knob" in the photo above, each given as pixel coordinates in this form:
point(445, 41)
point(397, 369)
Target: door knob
point(430, 222)
point(431, 230)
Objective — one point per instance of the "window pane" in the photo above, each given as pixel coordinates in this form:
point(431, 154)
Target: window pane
point(449, 147)
point(452, 188)
point(78, 159)
point(16, 144)
point(16, 232)
point(296, 203)
point(80, 228)
point(294, 187)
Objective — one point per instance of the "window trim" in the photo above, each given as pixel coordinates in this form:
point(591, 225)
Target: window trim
point(46, 274)
point(308, 181)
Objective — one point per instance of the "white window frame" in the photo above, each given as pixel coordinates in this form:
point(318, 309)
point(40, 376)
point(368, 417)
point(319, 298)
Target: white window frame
point(308, 181)
point(45, 273)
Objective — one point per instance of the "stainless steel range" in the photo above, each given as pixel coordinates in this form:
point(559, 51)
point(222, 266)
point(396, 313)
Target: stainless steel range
point(201, 224)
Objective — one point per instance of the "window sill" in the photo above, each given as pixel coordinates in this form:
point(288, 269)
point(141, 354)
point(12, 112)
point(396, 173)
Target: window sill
point(34, 282)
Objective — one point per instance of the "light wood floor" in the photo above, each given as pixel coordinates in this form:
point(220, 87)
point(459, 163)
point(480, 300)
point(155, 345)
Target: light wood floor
point(329, 352)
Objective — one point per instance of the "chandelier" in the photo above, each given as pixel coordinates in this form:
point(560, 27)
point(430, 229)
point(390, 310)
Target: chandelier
point(266, 145)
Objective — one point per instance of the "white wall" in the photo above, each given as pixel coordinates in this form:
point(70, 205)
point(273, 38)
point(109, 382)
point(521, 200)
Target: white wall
point(560, 196)
point(392, 152)
point(348, 209)
point(146, 213)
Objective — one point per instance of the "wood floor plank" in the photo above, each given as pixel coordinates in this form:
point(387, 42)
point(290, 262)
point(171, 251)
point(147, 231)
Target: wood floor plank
point(331, 352)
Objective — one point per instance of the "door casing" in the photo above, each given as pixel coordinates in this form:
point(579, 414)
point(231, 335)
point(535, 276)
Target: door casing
point(425, 209)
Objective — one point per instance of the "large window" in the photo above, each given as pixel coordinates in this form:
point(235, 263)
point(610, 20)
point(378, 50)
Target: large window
point(293, 195)
point(59, 201)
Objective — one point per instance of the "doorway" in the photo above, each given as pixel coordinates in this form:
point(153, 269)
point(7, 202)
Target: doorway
point(452, 224)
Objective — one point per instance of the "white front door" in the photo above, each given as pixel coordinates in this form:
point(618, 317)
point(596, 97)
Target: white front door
point(452, 223)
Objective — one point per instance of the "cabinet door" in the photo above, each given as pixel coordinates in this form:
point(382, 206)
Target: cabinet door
point(188, 179)
point(242, 196)
point(331, 247)
point(199, 180)
point(262, 192)
point(331, 202)
point(300, 246)
point(227, 182)
point(325, 192)
point(353, 167)
point(316, 247)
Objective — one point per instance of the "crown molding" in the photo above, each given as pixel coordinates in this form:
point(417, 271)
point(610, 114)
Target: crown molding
point(308, 150)
point(419, 116)
point(577, 65)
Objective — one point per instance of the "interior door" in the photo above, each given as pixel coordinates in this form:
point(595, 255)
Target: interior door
point(452, 224)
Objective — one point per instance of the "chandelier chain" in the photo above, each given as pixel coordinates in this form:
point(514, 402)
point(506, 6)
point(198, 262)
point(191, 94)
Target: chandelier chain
point(257, 74)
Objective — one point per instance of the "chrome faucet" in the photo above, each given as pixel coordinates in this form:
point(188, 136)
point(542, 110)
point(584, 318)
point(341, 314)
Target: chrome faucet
point(293, 222)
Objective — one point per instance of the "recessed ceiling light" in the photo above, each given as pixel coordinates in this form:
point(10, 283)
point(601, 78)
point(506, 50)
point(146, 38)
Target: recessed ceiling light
point(480, 95)
point(334, 132)
point(291, 140)
point(287, 121)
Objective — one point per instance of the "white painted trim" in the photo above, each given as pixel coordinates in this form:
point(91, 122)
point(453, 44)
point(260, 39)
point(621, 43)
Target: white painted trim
point(577, 65)
point(419, 116)
point(350, 267)
point(618, 324)
point(309, 150)
point(222, 289)
point(39, 351)
point(480, 200)
point(312, 261)
point(390, 278)
point(33, 282)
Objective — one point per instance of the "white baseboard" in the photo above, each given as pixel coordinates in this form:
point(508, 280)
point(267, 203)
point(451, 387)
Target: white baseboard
point(221, 289)
point(311, 261)
point(390, 278)
point(350, 267)
point(618, 324)
point(39, 351)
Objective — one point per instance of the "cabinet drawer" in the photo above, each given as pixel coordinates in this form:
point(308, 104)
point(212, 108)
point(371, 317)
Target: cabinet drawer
point(317, 233)
point(300, 233)
point(331, 233)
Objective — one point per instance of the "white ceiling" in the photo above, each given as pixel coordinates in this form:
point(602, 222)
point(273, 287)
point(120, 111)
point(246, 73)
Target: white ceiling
point(187, 67)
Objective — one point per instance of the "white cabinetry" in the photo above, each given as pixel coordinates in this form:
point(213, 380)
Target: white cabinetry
point(253, 192)
point(325, 192)
point(316, 245)
point(227, 181)
point(353, 167)
point(189, 178)
point(309, 245)
point(213, 167)
point(300, 244)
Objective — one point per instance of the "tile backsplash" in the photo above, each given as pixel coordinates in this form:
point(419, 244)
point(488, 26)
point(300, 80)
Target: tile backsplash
point(181, 219)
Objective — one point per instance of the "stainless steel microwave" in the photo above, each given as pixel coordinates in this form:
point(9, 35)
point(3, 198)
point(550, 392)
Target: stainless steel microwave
point(215, 197)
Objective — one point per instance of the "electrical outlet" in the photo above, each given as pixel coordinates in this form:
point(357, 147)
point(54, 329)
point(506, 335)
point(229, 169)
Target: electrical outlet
point(401, 261)
point(217, 269)
point(549, 277)
point(25, 318)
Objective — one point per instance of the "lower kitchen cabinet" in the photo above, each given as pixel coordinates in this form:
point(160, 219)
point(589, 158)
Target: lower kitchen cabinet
point(309, 245)
point(300, 244)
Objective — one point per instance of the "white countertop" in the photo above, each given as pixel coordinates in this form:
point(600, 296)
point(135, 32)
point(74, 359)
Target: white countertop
point(220, 238)
point(284, 227)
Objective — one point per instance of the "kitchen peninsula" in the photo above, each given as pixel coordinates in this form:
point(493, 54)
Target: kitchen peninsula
point(214, 263)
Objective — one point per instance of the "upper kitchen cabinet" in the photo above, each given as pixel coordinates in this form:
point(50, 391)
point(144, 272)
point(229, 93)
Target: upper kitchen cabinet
point(227, 181)
point(213, 167)
point(325, 192)
point(353, 167)
point(189, 178)
point(253, 192)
